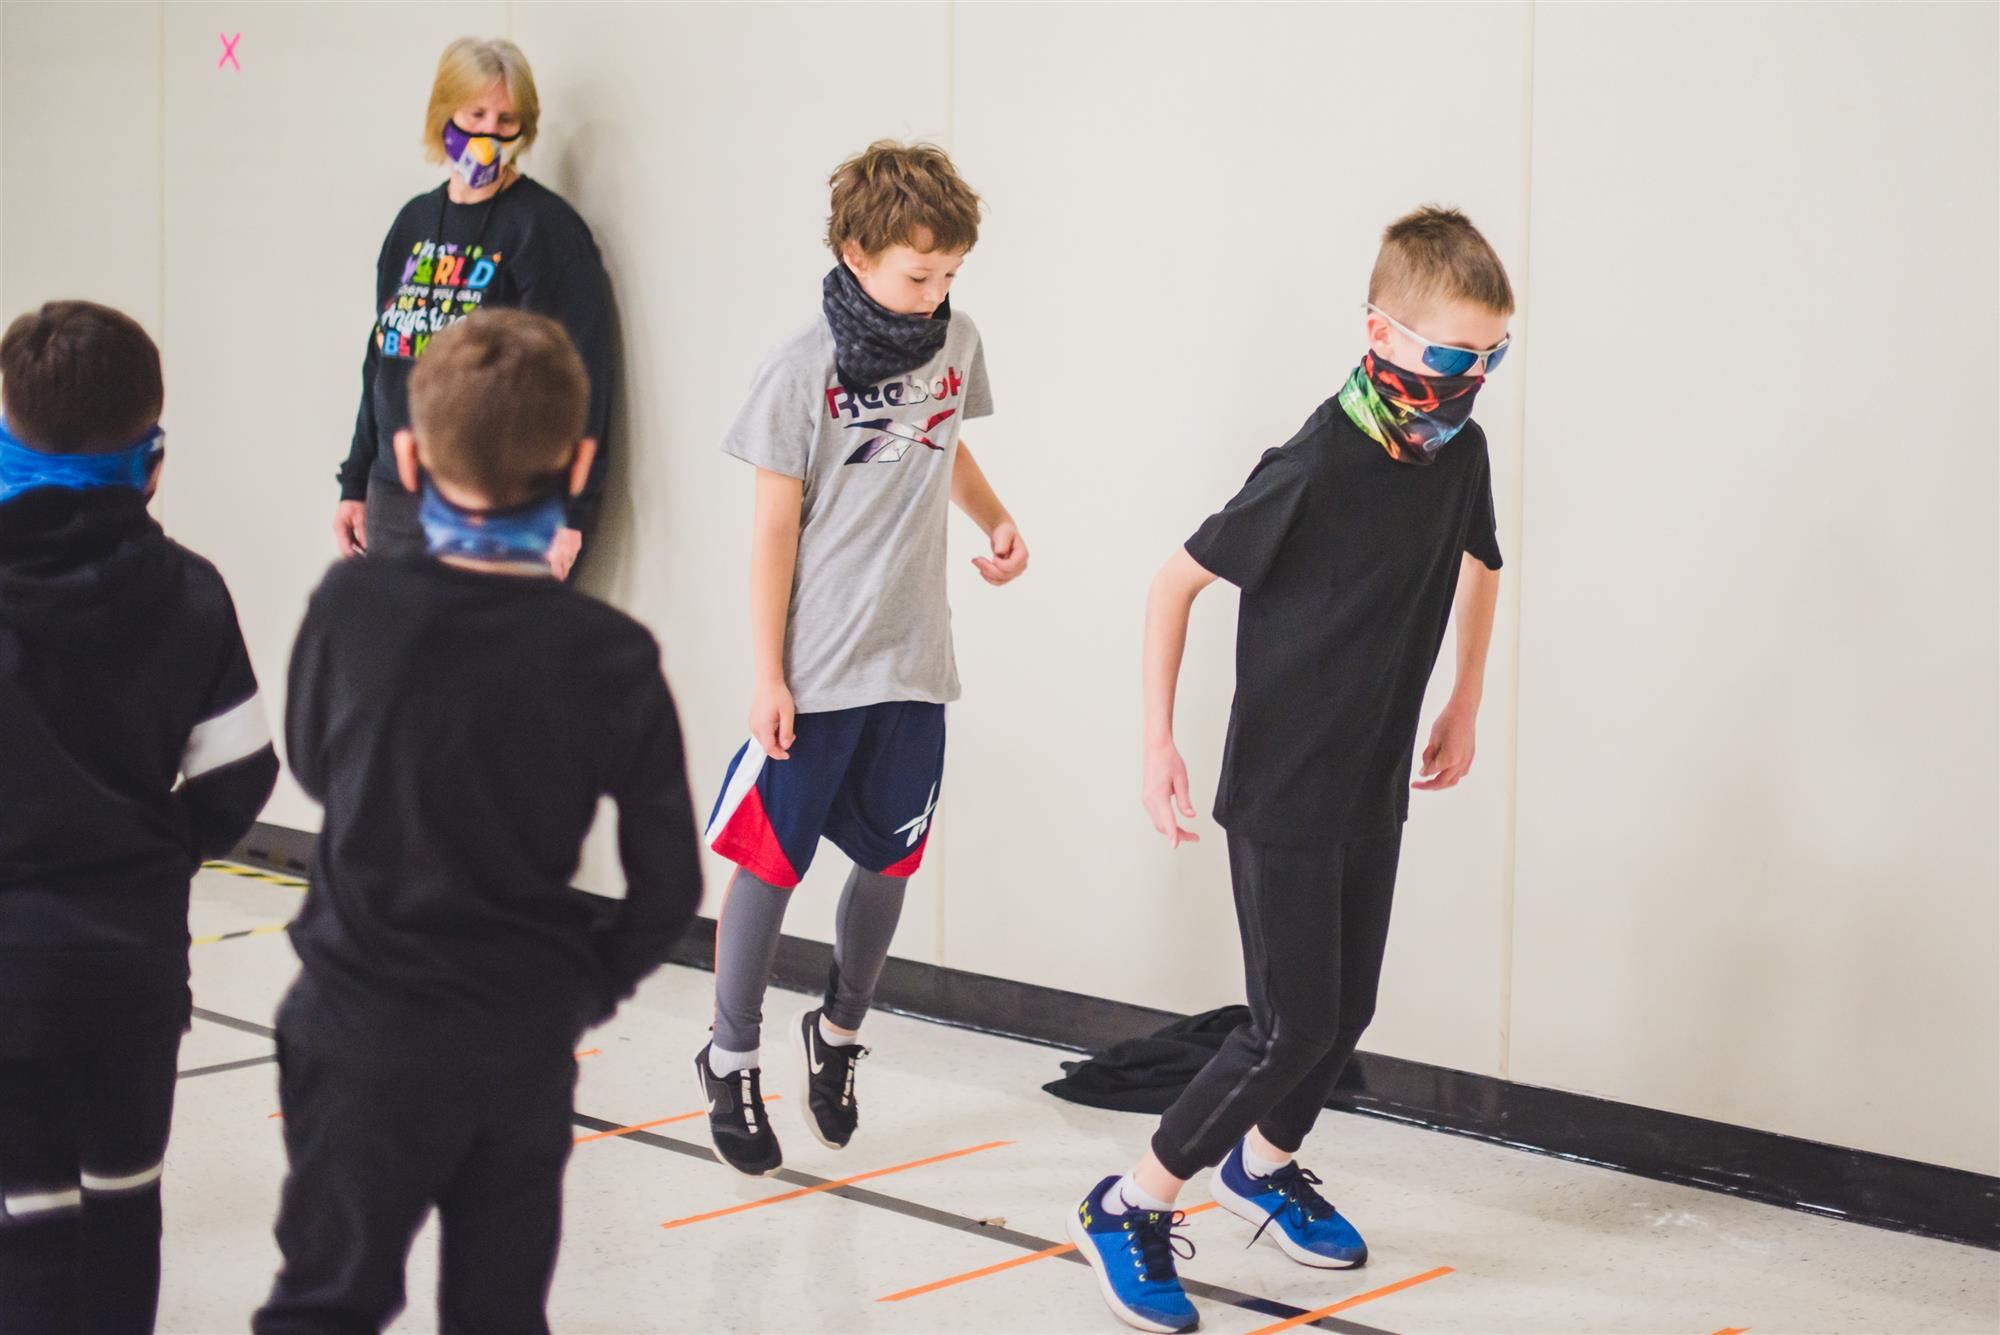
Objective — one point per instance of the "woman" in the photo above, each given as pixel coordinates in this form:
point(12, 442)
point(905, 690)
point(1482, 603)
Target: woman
point(488, 236)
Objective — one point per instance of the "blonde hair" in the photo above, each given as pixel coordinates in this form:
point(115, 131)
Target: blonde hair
point(470, 66)
point(1435, 254)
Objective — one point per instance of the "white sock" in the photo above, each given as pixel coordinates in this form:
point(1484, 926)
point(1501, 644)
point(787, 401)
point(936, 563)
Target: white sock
point(724, 1062)
point(1258, 1166)
point(834, 1038)
point(1127, 1195)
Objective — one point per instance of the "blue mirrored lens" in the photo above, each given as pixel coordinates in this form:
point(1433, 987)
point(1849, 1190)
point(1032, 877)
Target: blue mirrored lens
point(1449, 361)
point(1495, 357)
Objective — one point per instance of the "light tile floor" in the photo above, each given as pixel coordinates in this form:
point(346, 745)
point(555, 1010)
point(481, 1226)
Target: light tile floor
point(1499, 1242)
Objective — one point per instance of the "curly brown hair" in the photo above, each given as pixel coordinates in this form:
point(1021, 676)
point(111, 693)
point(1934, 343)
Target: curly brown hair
point(892, 194)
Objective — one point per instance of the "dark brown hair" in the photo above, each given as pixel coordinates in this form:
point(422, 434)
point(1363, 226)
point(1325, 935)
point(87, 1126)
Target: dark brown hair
point(79, 378)
point(890, 192)
point(498, 403)
point(1436, 254)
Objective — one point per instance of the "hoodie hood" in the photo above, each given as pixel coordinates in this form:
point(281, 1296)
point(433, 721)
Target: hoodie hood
point(80, 560)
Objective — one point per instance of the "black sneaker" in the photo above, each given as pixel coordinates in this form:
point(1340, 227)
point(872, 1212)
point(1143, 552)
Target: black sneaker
point(737, 1122)
point(831, 1112)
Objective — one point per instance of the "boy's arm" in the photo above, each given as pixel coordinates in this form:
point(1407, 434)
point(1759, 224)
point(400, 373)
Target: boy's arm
point(570, 285)
point(228, 767)
point(1448, 757)
point(972, 493)
point(657, 844)
point(1164, 788)
point(774, 559)
point(305, 706)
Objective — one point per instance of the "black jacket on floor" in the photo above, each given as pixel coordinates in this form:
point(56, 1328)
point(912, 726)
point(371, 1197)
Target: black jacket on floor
point(132, 747)
point(1147, 1074)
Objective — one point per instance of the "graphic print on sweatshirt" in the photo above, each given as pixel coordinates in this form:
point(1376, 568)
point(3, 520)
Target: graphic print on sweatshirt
point(885, 439)
point(441, 285)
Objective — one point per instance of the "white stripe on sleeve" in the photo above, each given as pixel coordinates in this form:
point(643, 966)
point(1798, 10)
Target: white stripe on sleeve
point(96, 1185)
point(234, 735)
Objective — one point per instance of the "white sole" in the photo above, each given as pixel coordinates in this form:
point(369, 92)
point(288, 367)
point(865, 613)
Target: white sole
point(805, 1079)
point(701, 1092)
point(1248, 1212)
point(1088, 1251)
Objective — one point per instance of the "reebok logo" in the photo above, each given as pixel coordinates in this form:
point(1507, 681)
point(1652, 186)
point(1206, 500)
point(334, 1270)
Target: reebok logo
point(891, 446)
point(915, 829)
point(893, 394)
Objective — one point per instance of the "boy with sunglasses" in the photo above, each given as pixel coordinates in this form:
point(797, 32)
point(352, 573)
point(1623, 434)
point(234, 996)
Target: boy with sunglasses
point(1349, 544)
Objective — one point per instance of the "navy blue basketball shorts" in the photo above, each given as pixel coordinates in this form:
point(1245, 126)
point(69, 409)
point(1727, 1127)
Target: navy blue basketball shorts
point(866, 779)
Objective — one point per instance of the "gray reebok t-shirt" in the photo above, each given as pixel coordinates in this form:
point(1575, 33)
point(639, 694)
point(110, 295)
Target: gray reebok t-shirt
point(869, 621)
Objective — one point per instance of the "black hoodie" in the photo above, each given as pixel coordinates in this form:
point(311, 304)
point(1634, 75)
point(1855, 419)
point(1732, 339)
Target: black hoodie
point(132, 747)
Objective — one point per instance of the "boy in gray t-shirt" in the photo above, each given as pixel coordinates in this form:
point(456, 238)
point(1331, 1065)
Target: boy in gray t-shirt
point(853, 426)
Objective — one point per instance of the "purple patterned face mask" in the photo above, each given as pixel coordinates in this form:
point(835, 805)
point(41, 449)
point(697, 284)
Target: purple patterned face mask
point(477, 158)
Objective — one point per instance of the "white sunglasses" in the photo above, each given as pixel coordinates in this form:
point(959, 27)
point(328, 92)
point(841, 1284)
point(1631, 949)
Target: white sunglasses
point(1445, 358)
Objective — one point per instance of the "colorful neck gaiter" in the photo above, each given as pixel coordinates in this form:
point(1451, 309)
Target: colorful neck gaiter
point(24, 468)
point(1409, 415)
point(477, 158)
point(871, 344)
point(521, 535)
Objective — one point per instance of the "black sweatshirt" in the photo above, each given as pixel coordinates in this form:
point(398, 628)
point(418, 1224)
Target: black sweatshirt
point(460, 728)
point(132, 747)
point(525, 247)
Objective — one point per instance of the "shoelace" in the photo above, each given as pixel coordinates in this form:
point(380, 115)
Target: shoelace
point(1295, 1189)
point(1158, 1243)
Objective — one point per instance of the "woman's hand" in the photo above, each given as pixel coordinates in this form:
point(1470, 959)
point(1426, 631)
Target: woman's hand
point(350, 528)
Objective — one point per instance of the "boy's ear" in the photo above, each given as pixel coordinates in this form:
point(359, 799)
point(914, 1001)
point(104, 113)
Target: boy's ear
point(408, 471)
point(579, 468)
point(853, 257)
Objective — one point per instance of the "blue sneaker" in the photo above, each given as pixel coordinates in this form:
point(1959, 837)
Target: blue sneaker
point(1133, 1255)
point(1309, 1230)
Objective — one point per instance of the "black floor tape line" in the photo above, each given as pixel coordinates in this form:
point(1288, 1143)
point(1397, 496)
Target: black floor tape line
point(895, 1205)
point(1027, 1242)
point(220, 1067)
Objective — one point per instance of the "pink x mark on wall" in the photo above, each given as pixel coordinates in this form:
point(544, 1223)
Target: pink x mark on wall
point(229, 51)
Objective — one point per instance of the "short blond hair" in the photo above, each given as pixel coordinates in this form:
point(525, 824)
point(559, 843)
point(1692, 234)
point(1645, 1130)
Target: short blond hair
point(1433, 255)
point(470, 66)
point(498, 401)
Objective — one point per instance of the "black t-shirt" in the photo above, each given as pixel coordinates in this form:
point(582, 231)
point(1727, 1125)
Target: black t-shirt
point(460, 728)
point(525, 247)
point(1348, 561)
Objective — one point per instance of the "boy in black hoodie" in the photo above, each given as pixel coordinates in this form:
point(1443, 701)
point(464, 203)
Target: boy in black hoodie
point(460, 714)
point(132, 747)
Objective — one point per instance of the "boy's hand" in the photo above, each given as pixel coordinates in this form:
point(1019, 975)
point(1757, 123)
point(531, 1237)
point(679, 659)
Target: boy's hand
point(1164, 793)
point(350, 528)
point(1449, 756)
point(1010, 556)
point(563, 551)
point(771, 718)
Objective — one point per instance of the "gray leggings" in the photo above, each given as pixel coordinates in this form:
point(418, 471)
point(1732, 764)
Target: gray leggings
point(746, 948)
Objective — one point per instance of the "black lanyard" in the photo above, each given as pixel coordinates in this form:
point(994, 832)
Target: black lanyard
point(485, 221)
